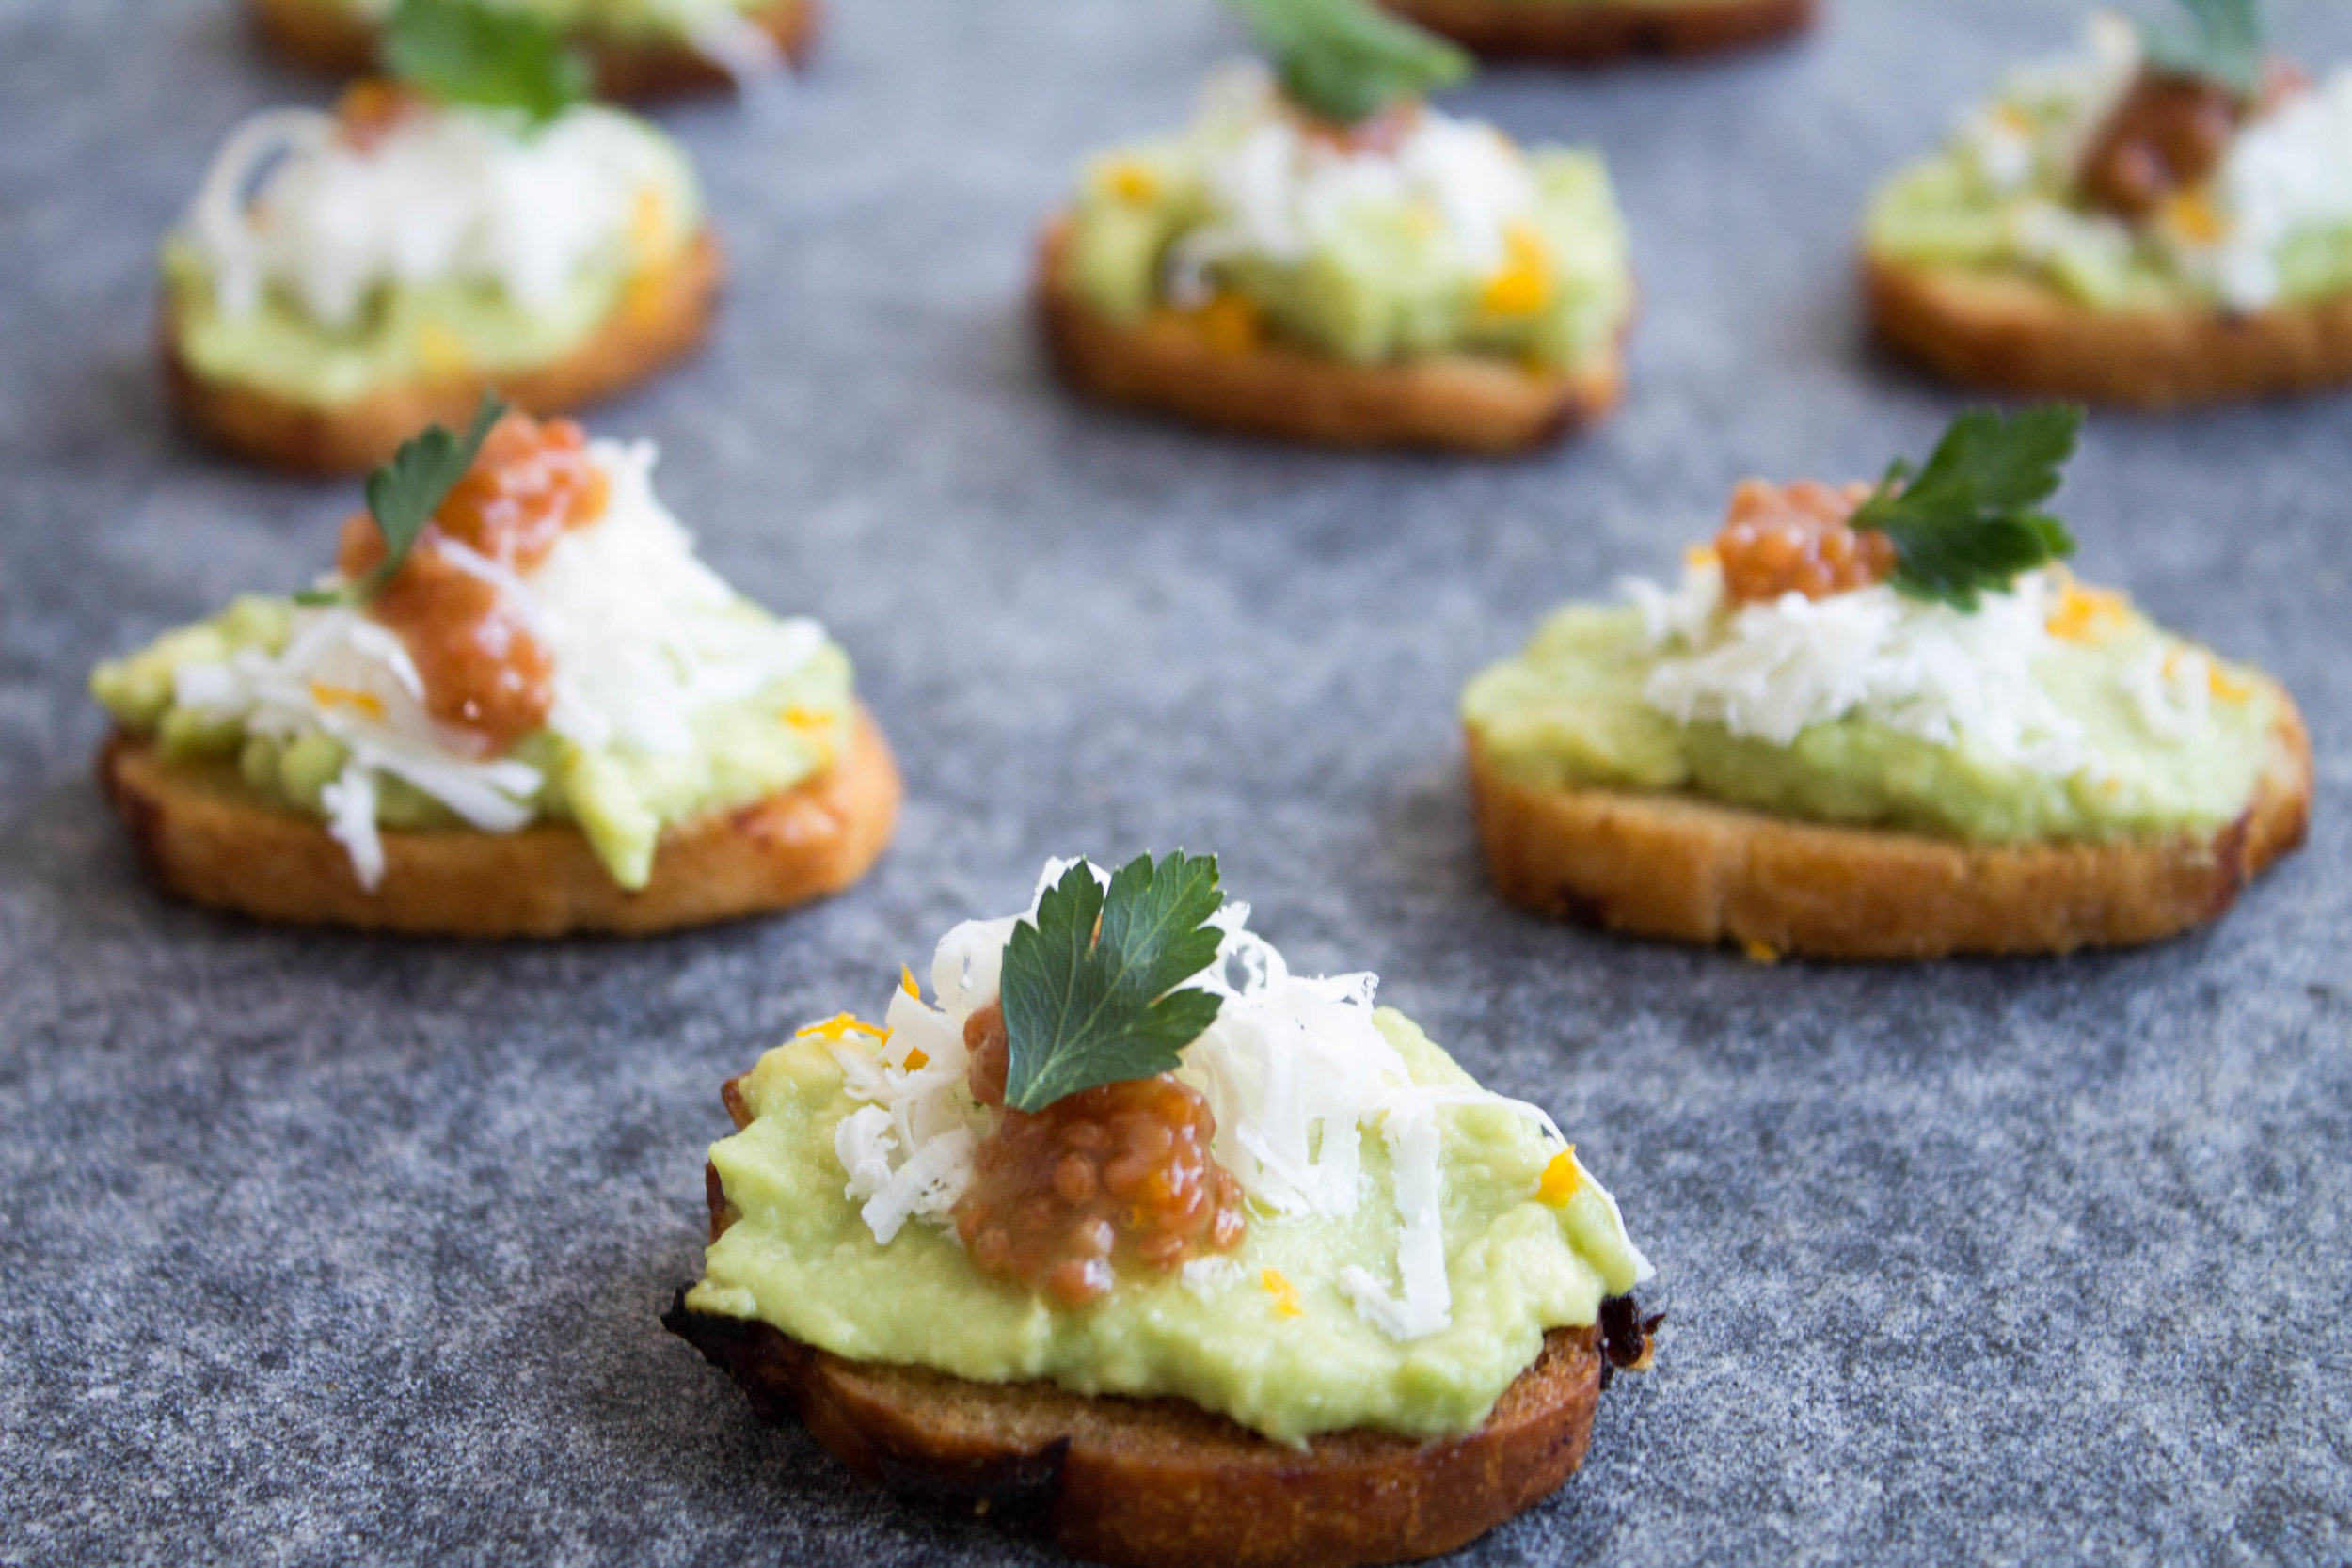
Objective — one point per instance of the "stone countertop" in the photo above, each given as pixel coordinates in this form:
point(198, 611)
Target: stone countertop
point(321, 1248)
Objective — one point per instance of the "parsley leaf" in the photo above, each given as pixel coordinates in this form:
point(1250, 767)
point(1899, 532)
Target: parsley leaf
point(403, 496)
point(492, 56)
point(1967, 522)
point(2221, 43)
point(1085, 1007)
point(1343, 61)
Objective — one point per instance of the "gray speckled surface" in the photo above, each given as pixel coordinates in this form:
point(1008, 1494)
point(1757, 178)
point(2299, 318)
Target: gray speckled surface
point(317, 1248)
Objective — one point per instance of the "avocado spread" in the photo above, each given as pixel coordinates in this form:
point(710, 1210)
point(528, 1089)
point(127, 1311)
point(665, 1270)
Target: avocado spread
point(1264, 1336)
point(1573, 709)
point(1454, 242)
point(408, 329)
point(2006, 198)
point(621, 796)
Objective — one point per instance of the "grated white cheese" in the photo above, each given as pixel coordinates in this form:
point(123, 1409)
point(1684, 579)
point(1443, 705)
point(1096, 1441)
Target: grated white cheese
point(1293, 1070)
point(2287, 175)
point(451, 192)
point(1278, 192)
point(1770, 669)
point(642, 634)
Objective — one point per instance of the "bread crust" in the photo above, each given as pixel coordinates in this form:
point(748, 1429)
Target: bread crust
point(1161, 1482)
point(1674, 865)
point(2011, 332)
point(331, 40)
point(205, 835)
point(1606, 30)
point(1456, 402)
point(646, 331)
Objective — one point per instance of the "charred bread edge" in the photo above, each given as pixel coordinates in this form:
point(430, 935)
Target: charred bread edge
point(204, 835)
point(1455, 402)
point(1679, 866)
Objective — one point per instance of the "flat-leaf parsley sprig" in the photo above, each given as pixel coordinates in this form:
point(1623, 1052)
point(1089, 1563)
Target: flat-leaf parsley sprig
point(1343, 61)
point(1089, 987)
point(1968, 522)
point(2221, 43)
point(490, 56)
point(403, 496)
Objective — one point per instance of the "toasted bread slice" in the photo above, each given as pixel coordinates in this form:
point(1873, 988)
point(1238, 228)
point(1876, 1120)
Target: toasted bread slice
point(207, 836)
point(1678, 866)
point(2011, 332)
point(1456, 402)
point(330, 38)
point(1162, 1482)
point(1594, 31)
point(661, 317)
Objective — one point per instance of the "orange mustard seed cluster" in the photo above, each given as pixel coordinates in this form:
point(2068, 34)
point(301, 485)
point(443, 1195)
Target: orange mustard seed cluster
point(485, 673)
point(1793, 538)
point(1060, 1197)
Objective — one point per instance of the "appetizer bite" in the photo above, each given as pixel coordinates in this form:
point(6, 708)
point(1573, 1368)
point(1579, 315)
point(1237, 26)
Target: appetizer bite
point(343, 279)
point(634, 49)
point(1590, 31)
point(1885, 722)
point(2166, 218)
point(1324, 256)
point(520, 706)
point(1132, 1233)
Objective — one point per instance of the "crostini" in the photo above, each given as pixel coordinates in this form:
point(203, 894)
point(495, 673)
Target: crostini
point(520, 706)
point(1323, 256)
point(1595, 31)
point(634, 49)
point(1128, 1217)
point(343, 279)
point(2165, 219)
point(1885, 723)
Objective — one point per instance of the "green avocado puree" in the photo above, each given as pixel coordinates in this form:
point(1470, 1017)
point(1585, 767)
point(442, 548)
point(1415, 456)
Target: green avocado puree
point(802, 1260)
point(1950, 212)
point(1568, 711)
point(1383, 284)
point(621, 798)
point(410, 331)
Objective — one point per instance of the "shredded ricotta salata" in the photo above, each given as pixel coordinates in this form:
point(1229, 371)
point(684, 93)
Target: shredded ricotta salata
point(1293, 1068)
point(643, 636)
point(1280, 190)
point(1769, 670)
point(444, 194)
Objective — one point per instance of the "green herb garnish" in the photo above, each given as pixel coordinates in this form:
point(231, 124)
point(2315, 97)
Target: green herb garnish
point(1967, 522)
point(1087, 1005)
point(2222, 42)
point(1344, 62)
point(403, 496)
point(492, 56)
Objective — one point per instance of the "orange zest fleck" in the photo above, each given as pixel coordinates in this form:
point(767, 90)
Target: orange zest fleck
point(834, 1028)
point(2086, 614)
point(2223, 685)
point(2191, 214)
point(916, 1058)
point(1133, 184)
point(1523, 284)
point(1285, 1294)
point(326, 694)
point(906, 983)
point(1761, 952)
point(1561, 1179)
